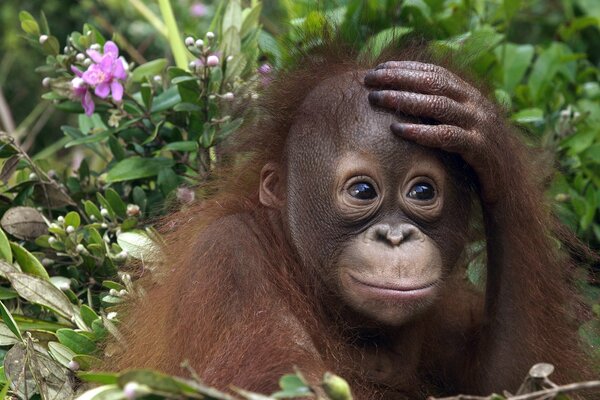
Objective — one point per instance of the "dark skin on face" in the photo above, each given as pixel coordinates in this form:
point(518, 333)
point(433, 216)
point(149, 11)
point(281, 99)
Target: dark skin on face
point(348, 259)
point(387, 213)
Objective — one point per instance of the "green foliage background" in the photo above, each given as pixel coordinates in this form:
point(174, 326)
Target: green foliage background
point(78, 192)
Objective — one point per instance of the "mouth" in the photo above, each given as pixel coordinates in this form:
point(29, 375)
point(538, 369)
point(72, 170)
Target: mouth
point(392, 290)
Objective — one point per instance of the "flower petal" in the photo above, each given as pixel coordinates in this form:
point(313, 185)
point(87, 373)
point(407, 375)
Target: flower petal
point(106, 64)
point(102, 90)
point(117, 90)
point(76, 71)
point(95, 56)
point(88, 103)
point(118, 70)
point(111, 49)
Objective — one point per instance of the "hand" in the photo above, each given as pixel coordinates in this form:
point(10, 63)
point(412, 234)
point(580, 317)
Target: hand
point(468, 123)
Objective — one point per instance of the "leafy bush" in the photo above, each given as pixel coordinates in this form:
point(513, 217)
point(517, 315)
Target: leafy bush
point(145, 135)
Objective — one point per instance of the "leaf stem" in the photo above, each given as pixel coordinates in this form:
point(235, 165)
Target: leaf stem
point(173, 35)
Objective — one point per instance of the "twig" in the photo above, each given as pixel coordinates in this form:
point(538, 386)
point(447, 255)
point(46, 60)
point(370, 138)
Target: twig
point(540, 394)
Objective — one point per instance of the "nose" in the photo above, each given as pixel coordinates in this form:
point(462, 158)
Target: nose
point(392, 234)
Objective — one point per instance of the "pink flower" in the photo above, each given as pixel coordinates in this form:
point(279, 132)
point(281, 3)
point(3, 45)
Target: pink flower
point(80, 91)
point(106, 72)
point(198, 10)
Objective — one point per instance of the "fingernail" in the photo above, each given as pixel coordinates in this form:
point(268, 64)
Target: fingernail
point(397, 127)
point(374, 97)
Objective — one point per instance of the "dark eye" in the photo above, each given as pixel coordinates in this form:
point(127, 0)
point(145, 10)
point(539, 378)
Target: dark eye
point(362, 191)
point(421, 191)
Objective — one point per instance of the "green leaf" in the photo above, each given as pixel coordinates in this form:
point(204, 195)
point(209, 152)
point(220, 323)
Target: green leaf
point(7, 337)
point(72, 219)
point(529, 115)
point(137, 168)
point(117, 204)
point(167, 181)
point(185, 146)
point(28, 262)
point(515, 60)
point(88, 315)
point(136, 243)
point(92, 209)
point(42, 292)
point(5, 252)
point(61, 353)
point(29, 24)
point(103, 378)
point(149, 69)
point(75, 341)
point(10, 322)
point(166, 100)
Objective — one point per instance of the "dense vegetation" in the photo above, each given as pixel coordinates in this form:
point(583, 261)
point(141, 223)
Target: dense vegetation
point(88, 162)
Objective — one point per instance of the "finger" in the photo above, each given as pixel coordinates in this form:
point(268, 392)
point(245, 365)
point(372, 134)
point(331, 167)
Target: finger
point(418, 82)
point(445, 137)
point(414, 65)
point(439, 108)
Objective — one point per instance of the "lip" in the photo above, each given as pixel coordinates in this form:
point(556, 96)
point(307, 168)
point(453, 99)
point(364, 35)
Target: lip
point(392, 291)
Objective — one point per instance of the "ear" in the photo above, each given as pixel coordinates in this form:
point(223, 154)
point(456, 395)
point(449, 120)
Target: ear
point(271, 192)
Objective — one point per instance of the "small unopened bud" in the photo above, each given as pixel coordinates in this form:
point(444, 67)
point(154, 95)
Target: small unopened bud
point(80, 57)
point(95, 47)
point(192, 65)
point(46, 262)
point(104, 212)
point(77, 82)
point(104, 225)
point(157, 78)
point(73, 365)
point(133, 210)
point(121, 256)
point(92, 217)
point(52, 240)
point(60, 219)
point(122, 292)
point(131, 390)
point(336, 387)
point(46, 82)
point(199, 43)
point(125, 63)
point(113, 292)
point(229, 58)
point(254, 96)
point(66, 49)
point(212, 60)
point(54, 225)
point(210, 35)
point(111, 315)
point(562, 197)
point(228, 96)
point(32, 176)
point(87, 62)
point(43, 39)
point(80, 248)
point(212, 97)
point(70, 229)
point(189, 41)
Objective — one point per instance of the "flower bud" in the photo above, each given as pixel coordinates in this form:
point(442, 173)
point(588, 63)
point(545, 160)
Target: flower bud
point(336, 387)
point(73, 365)
point(60, 219)
point(111, 315)
point(189, 41)
point(43, 39)
point(46, 82)
point(46, 262)
point(229, 58)
point(104, 225)
point(562, 197)
point(104, 212)
point(92, 218)
point(122, 292)
point(121, 256)
point(133, 210)
point(70, 229)
point(192, 65)
point(66, 49)
point(228, 96)
point(95, 47)
point(157, 79)
point(210, 35)
point(77, 83)
point(131, 390)
point(80, 248)
point(87, 62)
point(212, 61)
point(199, 43)
point(33, 176)
point(113, 292)
point(80, 57)
point(52, 240)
